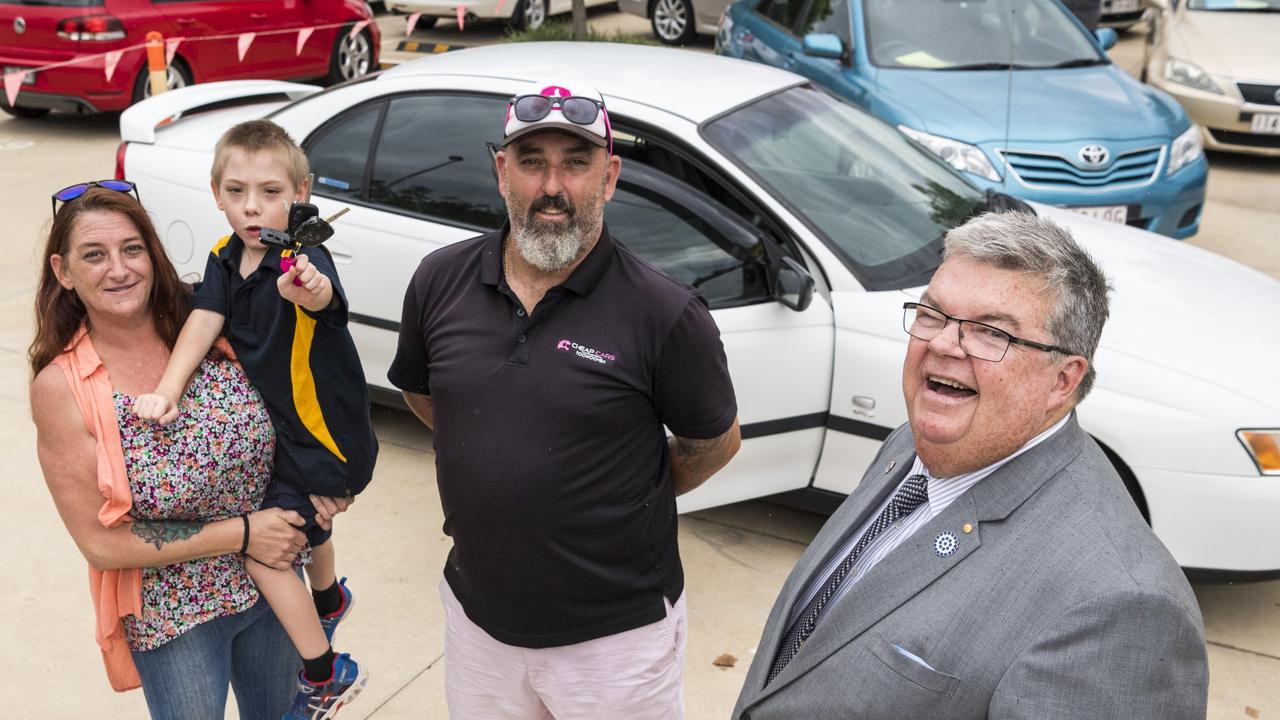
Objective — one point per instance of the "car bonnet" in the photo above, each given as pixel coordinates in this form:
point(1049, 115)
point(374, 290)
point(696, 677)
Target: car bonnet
point(1185, 310)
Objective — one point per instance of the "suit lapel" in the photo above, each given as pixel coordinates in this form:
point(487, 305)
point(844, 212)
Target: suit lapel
point(877, 483)
point(913, 565)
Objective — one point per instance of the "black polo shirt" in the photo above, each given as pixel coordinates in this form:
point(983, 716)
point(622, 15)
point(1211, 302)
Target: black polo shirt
point(550, 451)
point(303, 364)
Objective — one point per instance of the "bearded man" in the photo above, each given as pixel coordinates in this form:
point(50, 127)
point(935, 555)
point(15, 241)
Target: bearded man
point(547, 357)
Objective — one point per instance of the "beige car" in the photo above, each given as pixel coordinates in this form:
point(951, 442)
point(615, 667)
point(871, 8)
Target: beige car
point(1221, 60)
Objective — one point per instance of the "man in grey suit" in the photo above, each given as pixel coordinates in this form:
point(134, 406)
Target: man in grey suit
point(990, 564)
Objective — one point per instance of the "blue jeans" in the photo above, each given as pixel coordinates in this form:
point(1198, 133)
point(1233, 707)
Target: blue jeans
point(187, 677)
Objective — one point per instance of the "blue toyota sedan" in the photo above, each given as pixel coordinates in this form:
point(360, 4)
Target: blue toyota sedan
point(1016, 94)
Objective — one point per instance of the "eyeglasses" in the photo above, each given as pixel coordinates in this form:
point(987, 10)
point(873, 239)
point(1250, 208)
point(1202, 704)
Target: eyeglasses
point(575, 109)
point(978, 340)
point(71, 192)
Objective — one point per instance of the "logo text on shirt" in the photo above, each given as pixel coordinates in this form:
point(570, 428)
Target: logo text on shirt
point(583, 351)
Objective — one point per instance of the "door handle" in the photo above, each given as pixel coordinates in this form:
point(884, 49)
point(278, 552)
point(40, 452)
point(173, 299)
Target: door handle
point(257, 16)
point(186, 21)
point(340, 252)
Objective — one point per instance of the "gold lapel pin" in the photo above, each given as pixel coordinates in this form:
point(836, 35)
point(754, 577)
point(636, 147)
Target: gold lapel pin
point(889, 469)
point(967, 528)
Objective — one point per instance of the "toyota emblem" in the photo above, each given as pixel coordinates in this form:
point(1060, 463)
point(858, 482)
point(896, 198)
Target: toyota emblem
point(19, 26)
point(1094, 155)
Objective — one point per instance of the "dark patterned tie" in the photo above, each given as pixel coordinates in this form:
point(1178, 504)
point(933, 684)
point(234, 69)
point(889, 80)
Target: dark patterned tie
point(911, 495)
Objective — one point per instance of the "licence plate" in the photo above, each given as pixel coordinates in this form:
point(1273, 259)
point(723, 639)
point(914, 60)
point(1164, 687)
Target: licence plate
point(1120, 6)
point(1110, 213)
point(28, 79)
point(1266, 124)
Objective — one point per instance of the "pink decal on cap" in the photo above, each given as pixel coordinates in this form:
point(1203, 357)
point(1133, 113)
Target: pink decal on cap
point(564, 345)
point(555, 91)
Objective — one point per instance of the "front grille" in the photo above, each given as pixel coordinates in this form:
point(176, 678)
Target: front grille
point(1055, 172)
point(1229, 137)
point(1259, 94)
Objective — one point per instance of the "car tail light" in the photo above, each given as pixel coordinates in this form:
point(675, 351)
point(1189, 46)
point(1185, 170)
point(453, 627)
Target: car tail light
point(91, 28)
point(120, 160)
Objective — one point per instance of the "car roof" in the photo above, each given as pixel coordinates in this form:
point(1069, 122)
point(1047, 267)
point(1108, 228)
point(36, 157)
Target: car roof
point(694, 85)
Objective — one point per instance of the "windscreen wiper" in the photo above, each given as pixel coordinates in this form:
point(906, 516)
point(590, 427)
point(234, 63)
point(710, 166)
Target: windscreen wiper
point(1079, 62)
point(984, 66)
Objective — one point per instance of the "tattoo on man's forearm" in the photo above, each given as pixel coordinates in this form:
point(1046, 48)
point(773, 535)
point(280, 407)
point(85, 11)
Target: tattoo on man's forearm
point(159, 532)
point(698, 455)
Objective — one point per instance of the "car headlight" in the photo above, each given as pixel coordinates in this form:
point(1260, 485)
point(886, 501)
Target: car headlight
point(1185, 149)
point(961, 156)
point(1264, 448)
point(1189, 74)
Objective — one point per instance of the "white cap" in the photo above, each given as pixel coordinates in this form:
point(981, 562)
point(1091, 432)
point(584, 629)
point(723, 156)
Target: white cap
point(597, 132)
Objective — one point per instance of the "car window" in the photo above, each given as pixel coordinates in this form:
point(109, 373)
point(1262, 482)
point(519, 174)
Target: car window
point(975, 34)
point(782, 12)
point(340, 152)
point(828, 16)
point(881, 202)
point(687, 245)
point(431, 159)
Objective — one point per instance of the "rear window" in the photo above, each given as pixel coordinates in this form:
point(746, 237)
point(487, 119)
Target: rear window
point(54, 3)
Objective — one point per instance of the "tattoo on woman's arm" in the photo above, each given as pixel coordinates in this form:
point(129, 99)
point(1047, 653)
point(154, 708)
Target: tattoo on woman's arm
point(159, 532)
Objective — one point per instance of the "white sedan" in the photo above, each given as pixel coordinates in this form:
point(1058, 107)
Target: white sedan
point(805, 222)
point(519, 14)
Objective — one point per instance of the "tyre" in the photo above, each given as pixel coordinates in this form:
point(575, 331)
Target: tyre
point(672, 21)
point(25, 113)
point(529, 15)
point(352, 57)
point(177, 75)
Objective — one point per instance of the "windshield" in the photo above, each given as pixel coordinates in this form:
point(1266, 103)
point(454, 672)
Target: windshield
point(876, 198)
point(976, 35)
point(1235, 5)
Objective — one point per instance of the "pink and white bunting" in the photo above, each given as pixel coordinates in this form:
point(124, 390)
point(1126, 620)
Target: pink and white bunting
point(409, 22)
point(171, 49)
point(303, 34)
point(12, 83)
point(461, 12)
point(243, 43)
point(109, 62)
point(355, 29)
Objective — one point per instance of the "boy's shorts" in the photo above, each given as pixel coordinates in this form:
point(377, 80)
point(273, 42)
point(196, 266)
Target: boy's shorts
point(287, 497)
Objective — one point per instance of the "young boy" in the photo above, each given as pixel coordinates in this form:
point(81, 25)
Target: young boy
point(293, 343)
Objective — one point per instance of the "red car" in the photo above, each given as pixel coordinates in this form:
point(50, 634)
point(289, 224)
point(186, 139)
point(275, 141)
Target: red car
point(34, 33)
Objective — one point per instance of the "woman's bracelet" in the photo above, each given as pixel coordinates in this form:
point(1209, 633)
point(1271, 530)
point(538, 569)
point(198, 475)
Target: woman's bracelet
point(244, 544)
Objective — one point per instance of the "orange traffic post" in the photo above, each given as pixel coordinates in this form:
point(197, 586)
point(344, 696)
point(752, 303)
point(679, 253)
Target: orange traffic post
point(156, 64)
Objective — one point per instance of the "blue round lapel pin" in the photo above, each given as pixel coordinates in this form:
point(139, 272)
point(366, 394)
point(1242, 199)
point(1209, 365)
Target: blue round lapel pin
point(945, 544)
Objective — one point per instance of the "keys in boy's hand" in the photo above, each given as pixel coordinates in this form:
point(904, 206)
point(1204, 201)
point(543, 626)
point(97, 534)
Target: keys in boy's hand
point(311, 283)
point(153, 406)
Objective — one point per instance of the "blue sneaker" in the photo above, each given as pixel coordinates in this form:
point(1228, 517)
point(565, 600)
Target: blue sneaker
point(322, 702)
point(330, 622)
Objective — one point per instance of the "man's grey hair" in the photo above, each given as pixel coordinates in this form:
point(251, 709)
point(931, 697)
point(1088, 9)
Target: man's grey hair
point(1024, 243)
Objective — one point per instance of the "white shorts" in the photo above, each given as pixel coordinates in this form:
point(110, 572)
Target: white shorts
point(635, 674)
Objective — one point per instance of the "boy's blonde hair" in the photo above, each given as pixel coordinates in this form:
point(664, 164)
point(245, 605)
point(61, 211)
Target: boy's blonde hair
point(257, 136)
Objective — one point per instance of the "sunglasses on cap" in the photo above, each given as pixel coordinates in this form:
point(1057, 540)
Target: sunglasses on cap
point(71, 192)
point(575, 109)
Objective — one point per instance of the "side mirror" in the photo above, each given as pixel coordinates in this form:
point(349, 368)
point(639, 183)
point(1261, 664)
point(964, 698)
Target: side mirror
point(1107, 38)
point(823, 45)
point(793, 285)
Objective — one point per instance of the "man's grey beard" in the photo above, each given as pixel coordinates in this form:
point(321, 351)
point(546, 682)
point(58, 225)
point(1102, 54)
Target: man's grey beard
point(552, 246)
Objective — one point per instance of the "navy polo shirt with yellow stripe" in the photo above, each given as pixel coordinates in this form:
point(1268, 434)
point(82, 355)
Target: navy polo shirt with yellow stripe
point(551, 455)
point(303, 364)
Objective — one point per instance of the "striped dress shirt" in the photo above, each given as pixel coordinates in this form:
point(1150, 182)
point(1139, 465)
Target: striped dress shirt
point(942, 492)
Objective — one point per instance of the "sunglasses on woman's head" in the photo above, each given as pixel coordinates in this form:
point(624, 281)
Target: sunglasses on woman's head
point(71, 192)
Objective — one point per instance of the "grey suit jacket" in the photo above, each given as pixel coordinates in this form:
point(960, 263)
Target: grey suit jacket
point(1058, 603)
